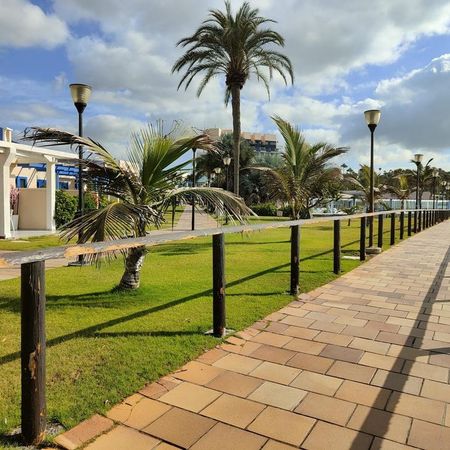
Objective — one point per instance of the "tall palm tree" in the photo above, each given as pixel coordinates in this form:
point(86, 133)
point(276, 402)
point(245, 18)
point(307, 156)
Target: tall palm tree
point(146, 187)
point(425, 177)
point(235, 46)
point(305, 178)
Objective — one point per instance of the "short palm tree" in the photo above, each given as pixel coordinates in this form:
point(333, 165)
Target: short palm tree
point(362, 182)
point(425, 177)
point(401, 188)
point(146, 187)
point(235, 46)
point(305, 177)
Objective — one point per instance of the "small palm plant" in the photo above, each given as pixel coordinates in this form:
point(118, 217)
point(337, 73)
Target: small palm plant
point(305, 178)
point(235, 46)
point(362, 182)
point(401, 188)
point(146, 187)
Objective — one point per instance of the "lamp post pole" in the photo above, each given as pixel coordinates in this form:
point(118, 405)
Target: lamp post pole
point(193, 185)
point(81, 94)
point(372, 117)
point(226, 162)
point(418, 162)
point(435, 176)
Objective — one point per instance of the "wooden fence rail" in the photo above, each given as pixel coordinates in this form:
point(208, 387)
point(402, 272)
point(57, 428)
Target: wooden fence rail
point(33, 286)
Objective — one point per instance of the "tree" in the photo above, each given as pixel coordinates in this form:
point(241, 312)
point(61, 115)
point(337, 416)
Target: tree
point(146, 187)
point(305, 178)
point(235, 46)
point(425, 177)
point(401, 188)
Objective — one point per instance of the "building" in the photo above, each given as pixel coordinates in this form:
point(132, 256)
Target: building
point(259, 141)
point(34, 173)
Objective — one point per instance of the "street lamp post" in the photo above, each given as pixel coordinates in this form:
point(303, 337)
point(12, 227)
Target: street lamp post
point(418, 162)
point(193, 185)
point(435, 176)
point(81, 93)
point(217, 171)
point(226, 162)
point(372, 117)
point(444, 192)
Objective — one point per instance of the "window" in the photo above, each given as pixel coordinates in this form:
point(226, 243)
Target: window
point(41, 183)
point(21, 182)
point(63, 185)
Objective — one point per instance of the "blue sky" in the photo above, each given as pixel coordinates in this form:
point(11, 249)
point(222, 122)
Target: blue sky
point(348, 56)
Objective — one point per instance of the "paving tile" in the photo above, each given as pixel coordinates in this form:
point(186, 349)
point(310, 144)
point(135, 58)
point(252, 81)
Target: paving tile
point(393, 338)
point(197, 372)
point(310, 362)
point(429, 436)
point(123, 438)
point(397, 382)
point(380, 423)
point(226, 437)
point(139, 414)
point(351, 371)
point(235, 384)
point(382, 362)
point(360, 332)
point(417, 407)
point(274, 445)
point(316, 382)
point(272, 354)
point(363, 394)
point(84, 432)
point(384, 444)
point(436, 391)
point(410, 353)
point(428, 371)
point(212, 356)
point(305, 346)
point(326, 408)
point(333, 338)
point(274, 394)
point(283, 426)
point(166, 446)
point(276, 340)
point(342, 353)
point(237, 363)
point(369, 345)
point(439, 359)
point(297, 321)
point(328, 436)
point(327, 326)
point(275, 372)
point(299, 332)
point(190, 396)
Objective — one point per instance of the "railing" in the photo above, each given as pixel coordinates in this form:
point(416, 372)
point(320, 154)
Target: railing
point(33, 406)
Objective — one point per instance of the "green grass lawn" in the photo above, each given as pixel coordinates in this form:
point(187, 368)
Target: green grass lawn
point(103, 346)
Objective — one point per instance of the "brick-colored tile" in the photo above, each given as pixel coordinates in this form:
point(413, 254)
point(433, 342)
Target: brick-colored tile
point(305, 346)
point(310, 362)
point(328, 436)
point(274, 445)
point(274, 394)
point(326, 408)
point(363, 394)
point(327, 326)
point(190, 396)
point(283, 426)
point(316, 382)
point(429, 436)
point(226, 437)
point(84, 432)
point(276, 340)
point(138, 415)
point(417, 407)
point(211, 356)
point(275, 372)
point(237, 363)
point(235, 384)
point(382, 361)
point(342, 353)
point(180, 427)
point(303, 333)
point(439, 359)
point(392, 338)
point(436, 391)
point(123, 438)
point(380, 423)
point(369, 345)
point(428, 371)
point(333, 338)
point(360, 332)
point(413, 354)
point(297, 321)
point(384, 444)
point(272, 354)
point(350, 371)
point(397, 382)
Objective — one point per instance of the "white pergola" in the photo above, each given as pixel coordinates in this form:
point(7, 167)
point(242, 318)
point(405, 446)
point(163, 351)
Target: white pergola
point(12, 153)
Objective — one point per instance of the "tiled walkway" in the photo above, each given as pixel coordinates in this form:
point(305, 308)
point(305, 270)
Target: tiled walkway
point(362, 362)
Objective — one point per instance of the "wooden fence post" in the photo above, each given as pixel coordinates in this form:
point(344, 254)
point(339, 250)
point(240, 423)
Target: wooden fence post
point(409, 223)
point(33, 352)
point(380, 231)
point(219, 312)
point(419, 221)
point(295, 259)
point(415, 222)
point(362, 240)
point(337, 247)
point(402, 224)
point(392, 228)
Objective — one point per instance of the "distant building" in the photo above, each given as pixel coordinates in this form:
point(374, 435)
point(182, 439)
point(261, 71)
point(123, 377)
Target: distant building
point(261, 142)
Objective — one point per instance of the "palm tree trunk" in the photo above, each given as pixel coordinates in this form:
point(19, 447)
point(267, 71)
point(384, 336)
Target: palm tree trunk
point(236, 111)
point(133, 264)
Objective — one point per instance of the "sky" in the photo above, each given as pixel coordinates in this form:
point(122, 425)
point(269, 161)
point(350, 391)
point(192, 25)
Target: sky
point(348, 56)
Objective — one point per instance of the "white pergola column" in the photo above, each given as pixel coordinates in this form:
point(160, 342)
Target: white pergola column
point(6, 158)
point(50, 194)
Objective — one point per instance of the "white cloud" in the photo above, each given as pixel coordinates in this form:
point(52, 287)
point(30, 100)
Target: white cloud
point(23, 24)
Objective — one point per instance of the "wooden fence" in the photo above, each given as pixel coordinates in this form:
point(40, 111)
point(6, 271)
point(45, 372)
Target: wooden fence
point(32, 264)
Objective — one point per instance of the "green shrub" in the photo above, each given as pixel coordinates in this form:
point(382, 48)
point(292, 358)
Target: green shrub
point(65, 208)
point(90, 201)
point(265, 209)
